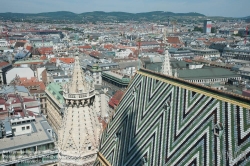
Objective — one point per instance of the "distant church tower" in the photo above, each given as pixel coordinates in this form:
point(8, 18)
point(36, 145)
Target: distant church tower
point(79, 134)
point(166, 67)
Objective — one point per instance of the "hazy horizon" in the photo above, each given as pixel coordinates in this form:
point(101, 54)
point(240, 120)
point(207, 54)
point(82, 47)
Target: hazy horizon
point(225, 8)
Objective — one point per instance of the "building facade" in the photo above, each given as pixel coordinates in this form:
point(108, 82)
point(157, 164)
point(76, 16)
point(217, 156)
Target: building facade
point(207, 26)
point(206, 53)
point(55, 105)
point(236, 53)
point(96, 73)
point(115, 79)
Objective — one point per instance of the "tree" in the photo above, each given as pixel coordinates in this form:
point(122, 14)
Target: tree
point(213, 30)
point(198, 29)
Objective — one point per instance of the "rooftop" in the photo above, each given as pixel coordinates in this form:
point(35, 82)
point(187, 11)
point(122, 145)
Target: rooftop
point(56, 90)
point(206, 73)
point(12, 89)
point(39, 136)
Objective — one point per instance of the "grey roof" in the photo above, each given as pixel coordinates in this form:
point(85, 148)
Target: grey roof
point(98, 87)
point(7, 126)
point(206, 73)
point(61, 76)
point(102, 64)
point(236, 67)
point(237, 49)
point(19, 44)
point(11, 89)
point(154, 66)
point(178, 64)
point(110, 92)
point(62, 72)
point(39, 136)
point(128, 64)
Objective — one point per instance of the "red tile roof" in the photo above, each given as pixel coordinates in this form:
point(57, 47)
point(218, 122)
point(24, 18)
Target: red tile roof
point(94, 53)
point(43, 57)
point(64, 60)
point(202, 39)
point(33, 81)
point(108, 46)
point(147, 43)
point(2, 101)
point(216, 40)
point(40, 83)
point(45, 50)
point(115, 100)
point(85, 47)
point(25, 80)
point(29, 48)
point(2, 64)
point(174, 40)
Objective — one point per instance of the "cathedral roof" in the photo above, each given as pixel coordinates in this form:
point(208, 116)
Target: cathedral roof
point(163, 120)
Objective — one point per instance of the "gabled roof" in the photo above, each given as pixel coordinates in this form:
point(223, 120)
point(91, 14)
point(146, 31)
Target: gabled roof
point(2, 64)
point(19, 44)
point(45, 50)
point(114, 101)
point(216, 40)
point(85, 47)
point(30, 48)
point(174, 40)
point(64, 60)
point(147, 43)
point(33, 81)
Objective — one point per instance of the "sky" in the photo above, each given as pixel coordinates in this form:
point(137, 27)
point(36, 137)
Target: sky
point(226, 8)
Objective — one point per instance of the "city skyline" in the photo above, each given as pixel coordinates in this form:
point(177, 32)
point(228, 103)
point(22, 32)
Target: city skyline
point(226, 8)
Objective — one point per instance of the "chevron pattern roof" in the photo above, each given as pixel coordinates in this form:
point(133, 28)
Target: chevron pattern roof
point(167, 121)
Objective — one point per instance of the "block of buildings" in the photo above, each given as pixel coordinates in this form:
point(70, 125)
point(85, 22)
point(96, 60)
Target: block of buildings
point(236, 53)
point(206, 53)
point(96, 72)
point(25, 138)
point(36, 89)
point(115, 79)
point(55, 105)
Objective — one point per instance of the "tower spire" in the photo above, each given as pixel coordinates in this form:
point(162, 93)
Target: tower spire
point(80, 129)
point(166, 67)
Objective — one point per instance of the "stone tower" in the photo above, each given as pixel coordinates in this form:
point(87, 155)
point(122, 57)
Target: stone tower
point(80, 131)
point(166, 67)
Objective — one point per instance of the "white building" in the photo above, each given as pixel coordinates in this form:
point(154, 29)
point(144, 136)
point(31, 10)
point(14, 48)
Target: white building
point(241, 53)
point(123, 53)
point(3, 43)
point(19, 71)
point(206, 53)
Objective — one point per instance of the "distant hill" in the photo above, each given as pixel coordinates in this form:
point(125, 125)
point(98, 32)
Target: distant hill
point(96, 16)
point(247, 19)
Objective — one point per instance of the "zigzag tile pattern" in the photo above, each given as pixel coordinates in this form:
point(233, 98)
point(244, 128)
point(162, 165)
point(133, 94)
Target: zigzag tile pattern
point(158, 123)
